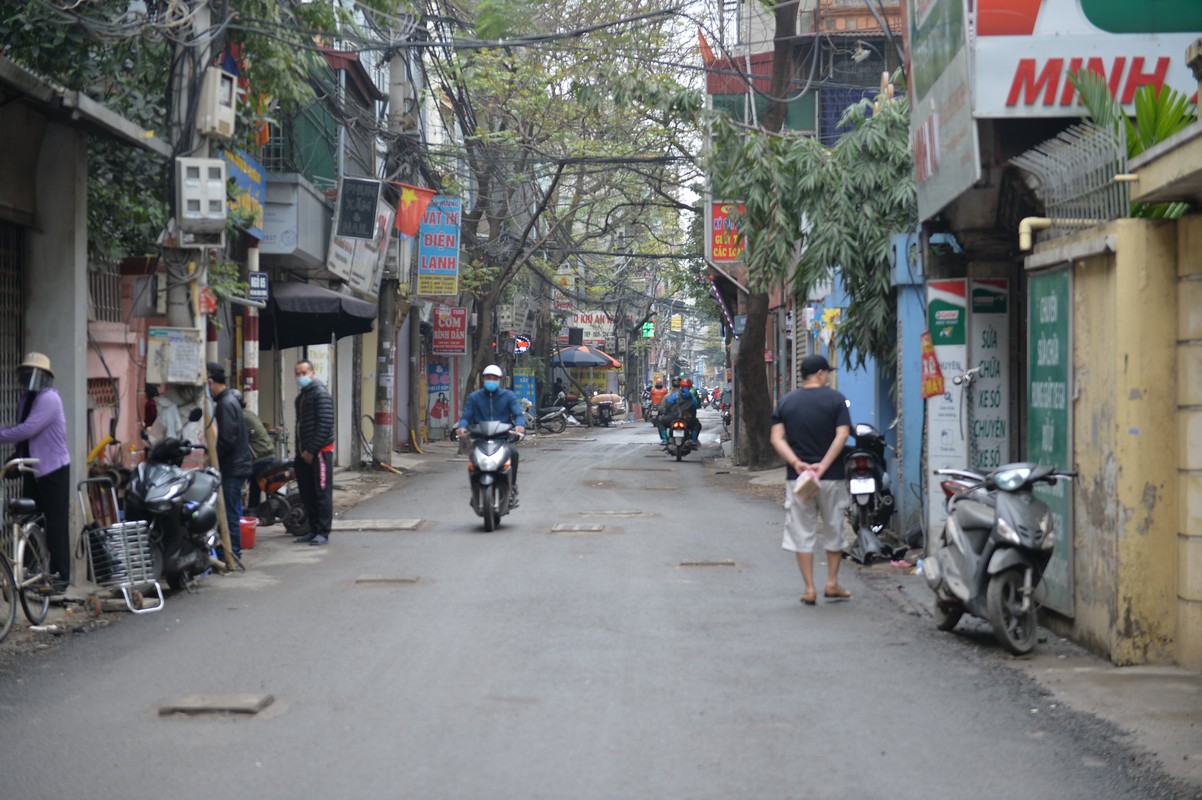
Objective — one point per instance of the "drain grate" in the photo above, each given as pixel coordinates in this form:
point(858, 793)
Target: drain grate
point(384, 580)
point(614, 514)
point(577, 527)
point(721, 563)
point(635, 469)
point(195, 704)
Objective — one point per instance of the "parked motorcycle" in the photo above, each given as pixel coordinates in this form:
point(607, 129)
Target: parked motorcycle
point(551, 419)
point(990, 557)
point(488, 470)
point(181, 507)
point(281, 500)
point(680, 439)
point(870, 510)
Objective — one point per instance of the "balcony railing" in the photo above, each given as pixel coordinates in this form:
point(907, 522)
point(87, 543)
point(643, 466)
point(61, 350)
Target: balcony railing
point(104, 297)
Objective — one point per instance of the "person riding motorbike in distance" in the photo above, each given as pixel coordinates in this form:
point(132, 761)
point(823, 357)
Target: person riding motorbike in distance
point(664, 420)
point(686, 384)
point(495, 404)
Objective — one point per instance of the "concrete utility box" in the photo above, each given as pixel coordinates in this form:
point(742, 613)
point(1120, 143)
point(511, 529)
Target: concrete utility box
point(216, 114)
point(200, 201)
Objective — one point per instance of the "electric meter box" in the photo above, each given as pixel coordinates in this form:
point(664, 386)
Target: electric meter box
point(200, 195)
point(215, 114)
point(175, 355)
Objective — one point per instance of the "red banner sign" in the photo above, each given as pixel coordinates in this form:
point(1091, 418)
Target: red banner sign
point(450, 331)
point(932, 376)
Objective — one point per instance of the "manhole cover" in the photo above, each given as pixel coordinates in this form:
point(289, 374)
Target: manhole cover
point(612, 513)
point(192, 704)
point(375, 525)
point(658, 488)
point(721, 563)
point(384, 580)
point(577, 527)
point(635, 469)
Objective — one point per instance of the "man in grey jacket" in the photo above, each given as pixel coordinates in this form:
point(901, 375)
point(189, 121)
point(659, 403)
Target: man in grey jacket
point(314, 453)
point(233, 451)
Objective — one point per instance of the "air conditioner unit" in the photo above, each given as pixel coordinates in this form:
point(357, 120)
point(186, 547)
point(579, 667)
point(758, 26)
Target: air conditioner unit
point(215, 113)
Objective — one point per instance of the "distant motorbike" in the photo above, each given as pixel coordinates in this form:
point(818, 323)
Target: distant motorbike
point(680, 439)
point(869, 487)
point(551, 419)
point(281, 500)
point(488, 468)
point(181, 507)
point(990, 557)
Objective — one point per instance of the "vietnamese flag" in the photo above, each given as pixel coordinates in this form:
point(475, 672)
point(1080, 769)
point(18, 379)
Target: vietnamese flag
point(410, 209)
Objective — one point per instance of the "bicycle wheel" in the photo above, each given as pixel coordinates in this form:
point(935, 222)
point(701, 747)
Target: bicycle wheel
point(34, 579)
point(8, 599)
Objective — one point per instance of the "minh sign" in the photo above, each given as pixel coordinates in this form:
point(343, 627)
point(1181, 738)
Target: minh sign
point(1025, 51)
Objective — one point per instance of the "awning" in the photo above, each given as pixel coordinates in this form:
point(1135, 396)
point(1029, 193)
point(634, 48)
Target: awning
point(301, 313)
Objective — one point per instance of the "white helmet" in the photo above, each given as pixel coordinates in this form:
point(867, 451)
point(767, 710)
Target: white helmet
point(493, 369)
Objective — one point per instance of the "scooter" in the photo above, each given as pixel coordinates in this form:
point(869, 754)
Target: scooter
point(551, 419)
point(181, 507)
point(281, 500)
point(488, 468)
point(990, 556)
point(680, 439)
point(871, 508)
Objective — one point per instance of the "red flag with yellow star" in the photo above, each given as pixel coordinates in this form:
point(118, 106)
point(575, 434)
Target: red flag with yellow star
point(410, 208)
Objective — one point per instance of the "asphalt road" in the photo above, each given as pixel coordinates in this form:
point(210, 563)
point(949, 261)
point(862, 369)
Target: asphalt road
point(663, 655)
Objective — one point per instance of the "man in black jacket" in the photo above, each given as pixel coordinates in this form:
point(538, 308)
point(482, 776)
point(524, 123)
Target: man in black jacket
point(233, 451)
point(314, 453)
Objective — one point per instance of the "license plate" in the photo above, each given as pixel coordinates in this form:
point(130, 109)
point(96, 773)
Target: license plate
point(862, 485)
point(678, 436)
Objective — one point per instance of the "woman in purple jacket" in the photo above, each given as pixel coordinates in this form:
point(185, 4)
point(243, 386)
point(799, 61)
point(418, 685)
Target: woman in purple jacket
point(41, 433)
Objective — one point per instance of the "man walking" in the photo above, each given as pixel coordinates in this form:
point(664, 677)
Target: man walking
point(315, 453)
point(809, 428)
point(233, 451)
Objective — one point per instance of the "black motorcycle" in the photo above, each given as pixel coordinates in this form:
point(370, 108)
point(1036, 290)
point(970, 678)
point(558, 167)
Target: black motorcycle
point(181, 507)
point(870, 509)
point(991, 555)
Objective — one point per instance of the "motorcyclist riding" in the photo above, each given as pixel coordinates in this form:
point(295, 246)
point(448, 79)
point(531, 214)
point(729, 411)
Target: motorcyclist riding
point(662, 422)
point(495, 404)
point(680, 404)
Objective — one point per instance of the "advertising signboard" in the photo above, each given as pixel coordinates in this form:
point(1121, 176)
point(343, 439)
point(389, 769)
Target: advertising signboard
point(943, 134)
point(438, 248)
point(450, 331)
point(596, 327)
point(355, 217)
point(947, 438)
point(1049, 417)
point(360, 262)
point(989, 337)
point(247, 174)
point(1026, 49)
point(440, 393)
point(723, 245)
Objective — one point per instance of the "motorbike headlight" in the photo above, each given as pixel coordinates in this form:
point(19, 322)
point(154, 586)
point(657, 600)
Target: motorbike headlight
point(1007, 532)
point(1011, 479)
point(1049, 534)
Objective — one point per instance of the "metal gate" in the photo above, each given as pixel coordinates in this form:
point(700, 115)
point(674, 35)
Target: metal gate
point(12, 344)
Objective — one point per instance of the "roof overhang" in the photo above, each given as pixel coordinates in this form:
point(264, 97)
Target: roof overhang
point(1170, 172)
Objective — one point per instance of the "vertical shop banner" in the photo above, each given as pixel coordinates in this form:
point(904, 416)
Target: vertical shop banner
point(947, 435)
point(438, 248)
point(439, 393)
point(1049, 417)
point(989, 337)
point(524, 385)
point(450, 331)
point(359, 261)
point(723, 245)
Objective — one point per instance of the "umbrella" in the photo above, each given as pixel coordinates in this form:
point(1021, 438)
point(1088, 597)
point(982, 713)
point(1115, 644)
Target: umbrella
point(584, 356)
point(301, 313)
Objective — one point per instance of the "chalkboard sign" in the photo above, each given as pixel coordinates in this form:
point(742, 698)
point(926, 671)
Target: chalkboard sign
point(357, 208)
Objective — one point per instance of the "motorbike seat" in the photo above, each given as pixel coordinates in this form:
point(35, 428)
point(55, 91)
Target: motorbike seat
point(973, 515)
point(542, 412)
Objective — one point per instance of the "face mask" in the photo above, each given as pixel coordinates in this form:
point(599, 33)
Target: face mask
point(492, 386)
point(304, 380)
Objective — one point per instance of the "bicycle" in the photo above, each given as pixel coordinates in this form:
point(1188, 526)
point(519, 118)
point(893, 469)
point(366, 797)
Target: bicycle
point(24, 545)
point(8, 598)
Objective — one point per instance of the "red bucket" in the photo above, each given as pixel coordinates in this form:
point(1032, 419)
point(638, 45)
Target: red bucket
point(248, 526)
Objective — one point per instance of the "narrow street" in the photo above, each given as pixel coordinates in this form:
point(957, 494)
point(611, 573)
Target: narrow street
point(633, 630)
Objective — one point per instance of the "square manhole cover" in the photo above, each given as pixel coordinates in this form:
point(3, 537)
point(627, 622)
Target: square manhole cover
point(193, 704)
point(385, 580)
point(577, 527)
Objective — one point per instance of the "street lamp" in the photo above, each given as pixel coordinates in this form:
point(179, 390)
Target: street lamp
point(860, 54)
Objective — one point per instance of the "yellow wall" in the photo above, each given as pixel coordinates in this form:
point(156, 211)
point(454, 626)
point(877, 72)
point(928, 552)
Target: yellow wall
point(1124, 360)
point(1189, 454)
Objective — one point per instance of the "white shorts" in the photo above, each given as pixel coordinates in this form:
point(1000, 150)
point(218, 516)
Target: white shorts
point(818, 521)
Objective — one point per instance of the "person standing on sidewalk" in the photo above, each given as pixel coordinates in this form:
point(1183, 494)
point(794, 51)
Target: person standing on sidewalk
point(233, 451)
point(41, 433)
point(262, 451)
point(315, 453)
point(809, 428)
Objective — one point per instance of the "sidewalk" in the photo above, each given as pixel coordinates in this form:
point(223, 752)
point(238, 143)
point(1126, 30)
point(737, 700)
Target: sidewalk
point(1158, 707)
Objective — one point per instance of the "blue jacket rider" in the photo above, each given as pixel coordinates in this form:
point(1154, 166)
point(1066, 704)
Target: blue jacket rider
point(494, 404)
point(686, 408)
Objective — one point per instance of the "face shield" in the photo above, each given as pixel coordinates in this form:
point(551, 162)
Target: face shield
point(33, 379)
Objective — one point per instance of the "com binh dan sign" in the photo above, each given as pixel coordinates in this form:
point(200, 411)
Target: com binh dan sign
point(1025, 51)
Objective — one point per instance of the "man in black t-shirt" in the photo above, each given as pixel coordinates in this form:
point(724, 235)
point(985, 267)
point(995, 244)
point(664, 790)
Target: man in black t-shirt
point(809, 428)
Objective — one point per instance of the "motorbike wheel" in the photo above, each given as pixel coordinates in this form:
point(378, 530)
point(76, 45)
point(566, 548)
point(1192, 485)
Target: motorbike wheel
point(1015, 629)
point(488, 497)
point(947, 615)
point(296, 521)
point(557, 425)
point(679, 453)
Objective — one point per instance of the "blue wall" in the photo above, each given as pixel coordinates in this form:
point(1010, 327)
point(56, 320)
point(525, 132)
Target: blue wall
point(909, 279)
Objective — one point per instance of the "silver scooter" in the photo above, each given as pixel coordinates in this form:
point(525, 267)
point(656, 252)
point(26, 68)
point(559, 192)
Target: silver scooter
point(990, 557)
point(489, 470)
